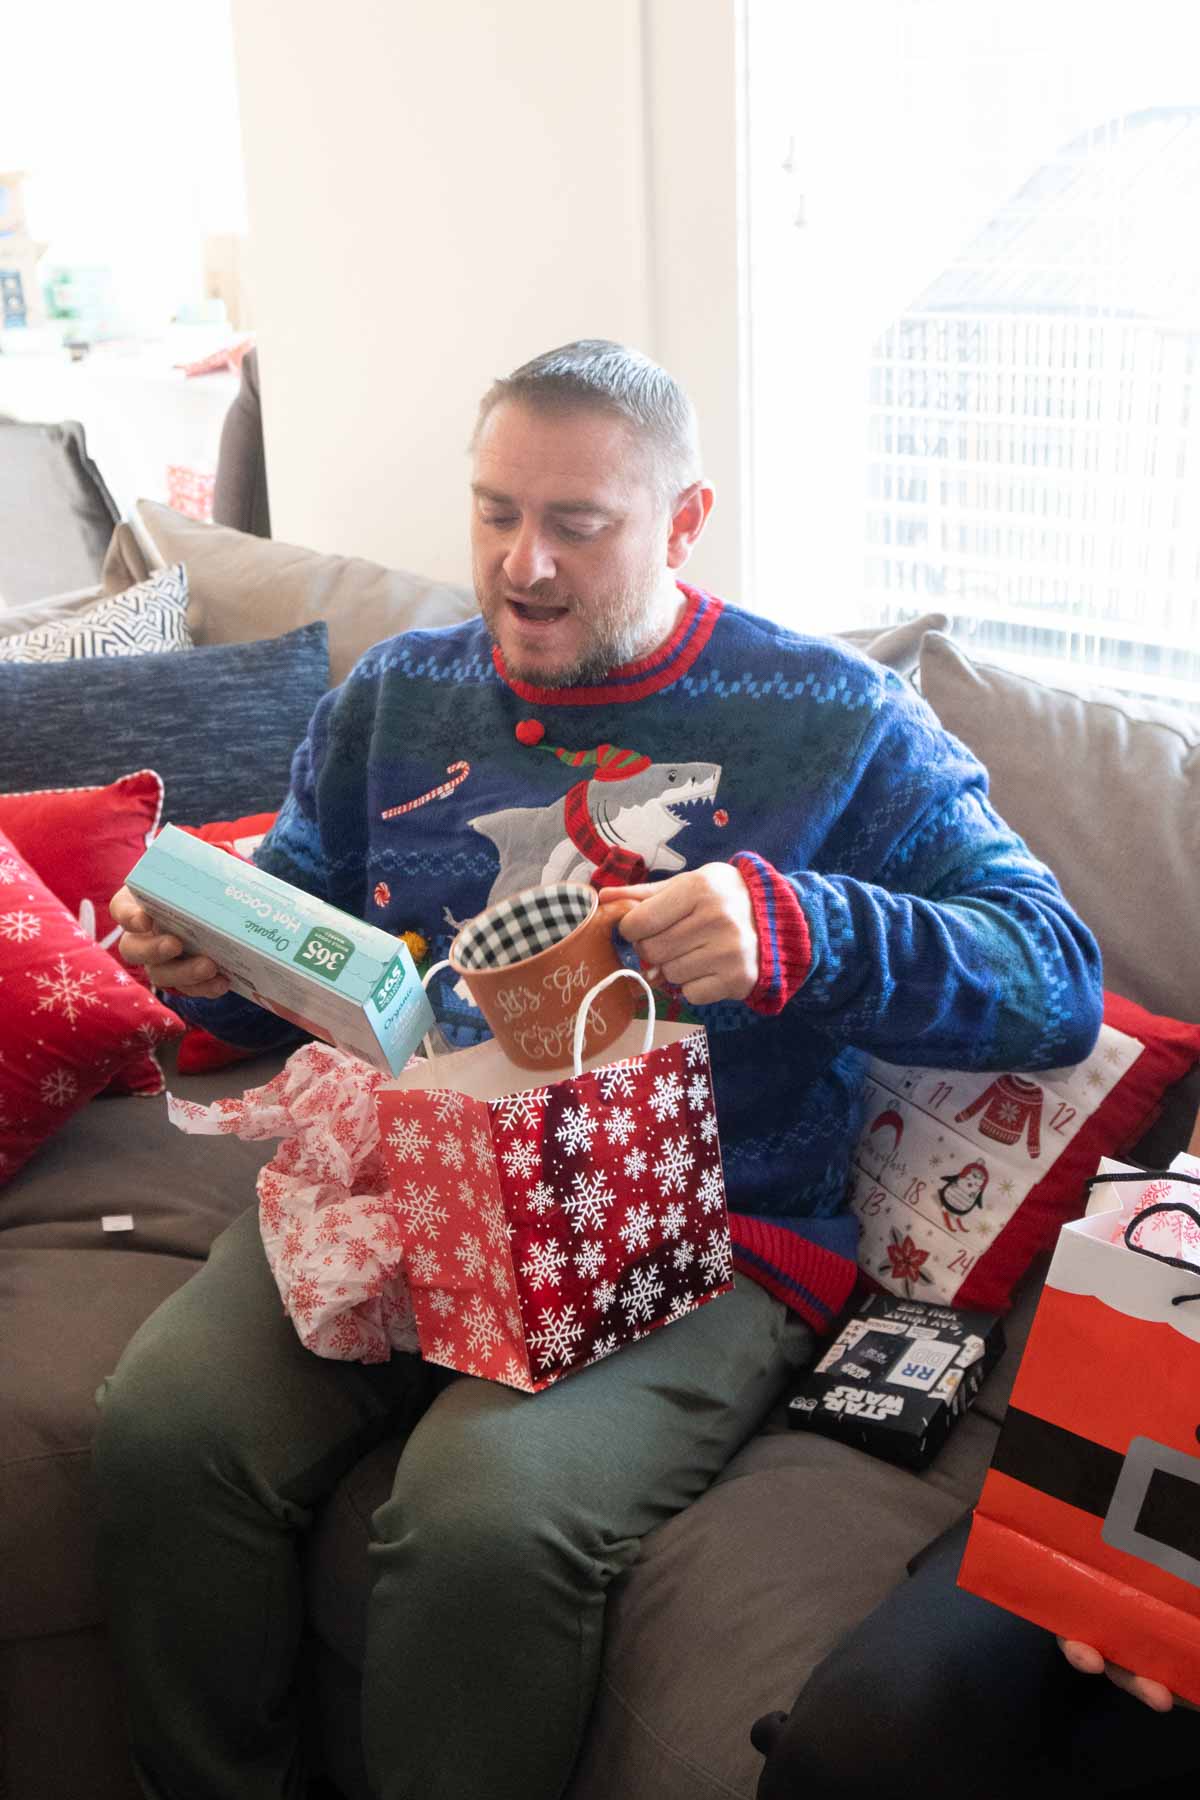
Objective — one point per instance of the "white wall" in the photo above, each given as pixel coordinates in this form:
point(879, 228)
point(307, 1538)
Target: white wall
point(435, 194)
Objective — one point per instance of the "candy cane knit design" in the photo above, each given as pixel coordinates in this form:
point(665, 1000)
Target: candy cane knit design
point(459, 770)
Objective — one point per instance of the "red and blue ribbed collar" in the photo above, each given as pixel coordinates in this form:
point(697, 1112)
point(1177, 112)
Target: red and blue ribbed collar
point(635, 680)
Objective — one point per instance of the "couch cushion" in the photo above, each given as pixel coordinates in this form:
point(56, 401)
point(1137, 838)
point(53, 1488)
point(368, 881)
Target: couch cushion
point(246, 587)
point(219, 724)
point(72, 1295)
point(123, 1156)
point(1107, 792)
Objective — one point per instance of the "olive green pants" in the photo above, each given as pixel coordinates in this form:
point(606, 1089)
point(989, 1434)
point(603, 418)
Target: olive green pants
point(510, 1515)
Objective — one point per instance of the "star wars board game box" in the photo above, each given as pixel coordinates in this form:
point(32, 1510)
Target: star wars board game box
point(898, 1377)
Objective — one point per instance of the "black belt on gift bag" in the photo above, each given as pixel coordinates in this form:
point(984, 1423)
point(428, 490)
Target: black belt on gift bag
point(1149, 1497)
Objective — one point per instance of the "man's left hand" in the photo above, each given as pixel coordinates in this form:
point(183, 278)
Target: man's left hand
point(696, 929)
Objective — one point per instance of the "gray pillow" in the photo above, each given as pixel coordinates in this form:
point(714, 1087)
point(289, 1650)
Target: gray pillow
point(246, 587)
point(218, 724)
point(898, 647)
point(1106, 790)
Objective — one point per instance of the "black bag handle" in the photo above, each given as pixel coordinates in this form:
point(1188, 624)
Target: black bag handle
point(1148, 1212)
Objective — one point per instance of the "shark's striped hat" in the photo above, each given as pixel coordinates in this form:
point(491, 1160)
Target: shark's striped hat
point(607, 762)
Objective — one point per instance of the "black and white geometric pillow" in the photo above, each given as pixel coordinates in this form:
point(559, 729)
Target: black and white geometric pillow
point(148, 618)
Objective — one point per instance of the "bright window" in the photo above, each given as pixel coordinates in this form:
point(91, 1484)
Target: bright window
point(974, 308)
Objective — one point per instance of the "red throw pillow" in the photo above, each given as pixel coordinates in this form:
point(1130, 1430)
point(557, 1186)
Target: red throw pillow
point(199, 1053)
point(83, 842)
point(241, 837)
point(71, 1018)
point(960, 1180)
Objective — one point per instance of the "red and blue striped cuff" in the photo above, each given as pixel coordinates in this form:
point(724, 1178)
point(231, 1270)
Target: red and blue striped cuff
point(784, 943)
point(812, 1281)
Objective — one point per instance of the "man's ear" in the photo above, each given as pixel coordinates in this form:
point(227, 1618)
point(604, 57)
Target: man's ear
point(688, 517)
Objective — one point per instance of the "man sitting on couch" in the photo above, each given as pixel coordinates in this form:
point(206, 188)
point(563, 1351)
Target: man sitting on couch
point(877, 904)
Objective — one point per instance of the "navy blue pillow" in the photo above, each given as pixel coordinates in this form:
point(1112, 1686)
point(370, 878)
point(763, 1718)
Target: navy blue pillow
point(219, 722)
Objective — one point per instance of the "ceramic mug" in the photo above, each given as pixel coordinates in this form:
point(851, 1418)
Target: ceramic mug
point(529, 960)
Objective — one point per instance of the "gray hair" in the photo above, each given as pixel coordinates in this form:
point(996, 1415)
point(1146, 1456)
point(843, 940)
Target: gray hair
point(594, 372)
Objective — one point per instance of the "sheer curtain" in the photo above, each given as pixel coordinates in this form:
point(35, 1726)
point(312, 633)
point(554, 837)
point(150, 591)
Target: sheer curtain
point(974, 302)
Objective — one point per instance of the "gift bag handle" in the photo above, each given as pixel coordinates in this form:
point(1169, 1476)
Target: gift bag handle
point(585, 1007)
point(1148, 1212)
point(434, 969)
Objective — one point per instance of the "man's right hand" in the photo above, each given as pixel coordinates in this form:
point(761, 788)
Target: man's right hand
point(142, 944)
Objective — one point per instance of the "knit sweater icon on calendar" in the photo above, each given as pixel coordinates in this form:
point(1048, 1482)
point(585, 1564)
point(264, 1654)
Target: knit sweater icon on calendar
point(1010, 1106)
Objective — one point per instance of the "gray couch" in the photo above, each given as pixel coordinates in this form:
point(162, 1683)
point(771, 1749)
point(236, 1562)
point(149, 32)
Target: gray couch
point(733, 1601)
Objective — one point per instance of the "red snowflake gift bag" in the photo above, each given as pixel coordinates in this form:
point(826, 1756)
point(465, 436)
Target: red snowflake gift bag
point(545, 1225)
point(1089, 1518)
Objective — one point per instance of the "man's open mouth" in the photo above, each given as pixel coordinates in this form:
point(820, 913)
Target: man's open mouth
point(533, 612)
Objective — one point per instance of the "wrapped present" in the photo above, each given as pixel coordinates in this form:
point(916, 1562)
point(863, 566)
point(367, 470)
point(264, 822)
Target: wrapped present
point(1089, 1518)
point(545, 1224)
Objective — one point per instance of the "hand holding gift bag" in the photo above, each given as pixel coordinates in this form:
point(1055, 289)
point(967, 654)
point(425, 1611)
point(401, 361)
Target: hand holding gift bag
point(1089, 1518)
point(545, 1226)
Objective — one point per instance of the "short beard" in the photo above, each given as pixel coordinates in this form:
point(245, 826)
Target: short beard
point(617, 640)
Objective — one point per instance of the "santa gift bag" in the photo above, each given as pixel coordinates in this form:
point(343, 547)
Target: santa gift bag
point(1089, 1518)
point(546, 1224)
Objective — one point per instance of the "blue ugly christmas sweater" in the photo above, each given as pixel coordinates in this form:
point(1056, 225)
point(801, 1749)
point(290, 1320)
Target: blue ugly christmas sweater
point(897, 915)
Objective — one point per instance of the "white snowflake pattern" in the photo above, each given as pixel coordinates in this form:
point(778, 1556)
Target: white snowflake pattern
point(717, 1259)
point(695, 1048)
point(711, 1190)
point(639, 1292)
point(575, 1132)
point(447, 1104)
point(603, 1296)
point(408, 1140)
point(697, 1093)
point(495, 1220)
point(481, 1147)
point(521, 1159)
point(20, 927)
point(673, 1220)
point(681, 1304)
point(684, 1254)
point(423, 1264)
point(66, 992)
point(512, 1319)
point(587, 1205)
point(708, 1128)
point(442, 1303)
point(522, 1112)
point(514, 1374)
point(635, 1232)
point(466, 1196)
point(470, 1253)
point(665, 1096)
point(441, 1350)
point(59, 1088)
point(672, 1167)
point(541, 1198)
point(499, 1273)
point(589, 1258)
point(451, 1152)
point(481, 1326)
point(617, 1079)
point(620, 1125)
point(10, 871)
point(560, 1333)
point(636, 1164)
point(603, 1346)
point(545, 1263)
point(420, 1208)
